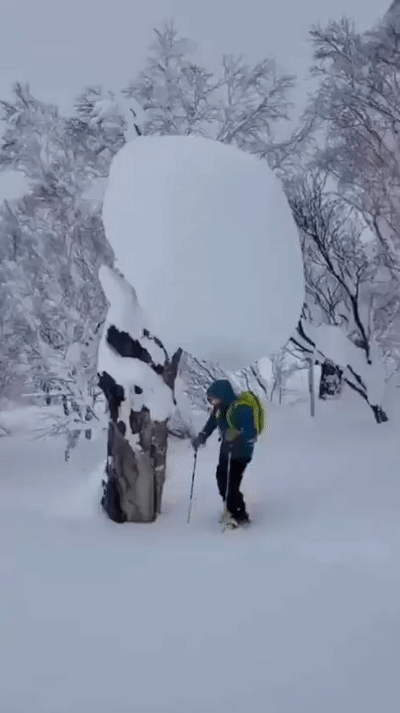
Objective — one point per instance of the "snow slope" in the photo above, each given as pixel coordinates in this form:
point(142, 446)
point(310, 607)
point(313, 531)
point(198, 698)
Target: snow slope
point(298, 614)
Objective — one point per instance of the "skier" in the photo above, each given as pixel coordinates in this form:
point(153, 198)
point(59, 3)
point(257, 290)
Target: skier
point(236, 448)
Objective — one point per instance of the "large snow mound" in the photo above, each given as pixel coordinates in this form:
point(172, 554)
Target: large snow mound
point(205, 235)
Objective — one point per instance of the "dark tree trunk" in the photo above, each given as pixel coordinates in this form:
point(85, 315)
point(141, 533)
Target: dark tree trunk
point(137, 445)
point(380, 414)
point(330, 385)
point(65, 405)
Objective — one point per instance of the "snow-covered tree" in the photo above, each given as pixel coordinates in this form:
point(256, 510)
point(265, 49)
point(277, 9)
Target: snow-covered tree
point(51, 248)
point(355, 117)
point(341, 269)
point(52, 238)
point(345, 284)
point(285, 364)
point(357, 108)
point(174, 91)
point(99, 128)
point(137, 377)
point(240, 105)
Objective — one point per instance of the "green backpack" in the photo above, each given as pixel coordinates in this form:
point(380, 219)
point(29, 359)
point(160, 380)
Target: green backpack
point(247, 398)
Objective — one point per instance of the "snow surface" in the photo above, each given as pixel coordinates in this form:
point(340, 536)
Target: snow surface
point(204, 233)
point(298, 614)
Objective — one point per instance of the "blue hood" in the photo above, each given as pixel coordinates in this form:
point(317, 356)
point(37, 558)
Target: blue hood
point(223, 390)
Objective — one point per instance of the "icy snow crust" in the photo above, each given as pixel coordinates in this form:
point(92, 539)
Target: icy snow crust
point(204, 233)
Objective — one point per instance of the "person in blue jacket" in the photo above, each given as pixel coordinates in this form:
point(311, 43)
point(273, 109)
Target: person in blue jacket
point(237, 445)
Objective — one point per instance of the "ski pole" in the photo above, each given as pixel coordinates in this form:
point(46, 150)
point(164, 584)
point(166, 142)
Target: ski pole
point(191, 489)
point(228, 477)
point(225, 516)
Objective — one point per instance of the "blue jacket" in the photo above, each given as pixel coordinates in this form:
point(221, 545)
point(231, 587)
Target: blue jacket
point(242, 447)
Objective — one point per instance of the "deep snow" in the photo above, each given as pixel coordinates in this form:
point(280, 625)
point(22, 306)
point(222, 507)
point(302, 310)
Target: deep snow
point(298, 614)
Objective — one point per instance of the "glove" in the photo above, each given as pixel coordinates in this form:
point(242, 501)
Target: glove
point(198, 441)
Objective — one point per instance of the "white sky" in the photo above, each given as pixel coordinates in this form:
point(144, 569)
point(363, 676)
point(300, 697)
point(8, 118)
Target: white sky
point(61, 45)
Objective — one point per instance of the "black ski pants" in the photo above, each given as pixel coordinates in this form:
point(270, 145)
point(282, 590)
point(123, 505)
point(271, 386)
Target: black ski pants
point(235, 501)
